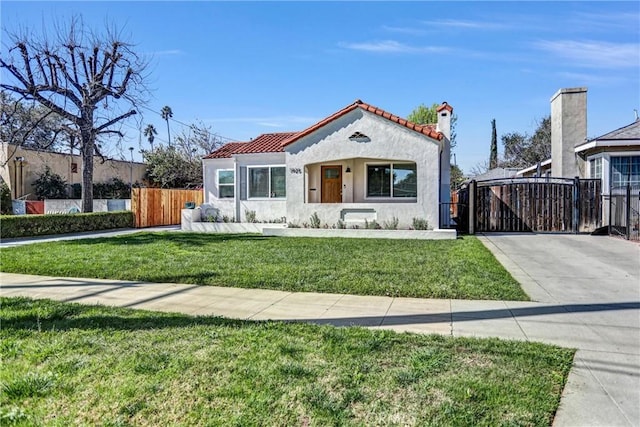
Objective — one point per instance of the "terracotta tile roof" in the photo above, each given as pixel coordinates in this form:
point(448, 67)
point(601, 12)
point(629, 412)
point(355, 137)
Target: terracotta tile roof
point(428, 130)
point(225, 151)
point(266, 143)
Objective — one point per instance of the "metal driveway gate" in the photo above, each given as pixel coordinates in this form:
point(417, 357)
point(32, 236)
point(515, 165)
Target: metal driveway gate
point(534, 204)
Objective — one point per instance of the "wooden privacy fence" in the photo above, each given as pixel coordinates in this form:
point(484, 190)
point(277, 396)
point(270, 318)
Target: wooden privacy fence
point(160, 206)
point(539, 205)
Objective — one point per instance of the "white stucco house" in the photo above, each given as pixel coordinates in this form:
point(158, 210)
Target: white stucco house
point(360, 163)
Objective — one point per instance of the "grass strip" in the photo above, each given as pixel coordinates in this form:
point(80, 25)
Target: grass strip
point(72, 364)
point(461, 269)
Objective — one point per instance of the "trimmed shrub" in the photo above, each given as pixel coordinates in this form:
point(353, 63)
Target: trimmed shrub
point(39, 225)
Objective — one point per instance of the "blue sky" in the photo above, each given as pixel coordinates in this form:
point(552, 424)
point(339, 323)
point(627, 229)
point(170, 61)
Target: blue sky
point(251, 67)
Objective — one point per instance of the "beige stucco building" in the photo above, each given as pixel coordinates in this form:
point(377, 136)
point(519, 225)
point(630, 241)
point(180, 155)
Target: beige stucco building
point(20, 167)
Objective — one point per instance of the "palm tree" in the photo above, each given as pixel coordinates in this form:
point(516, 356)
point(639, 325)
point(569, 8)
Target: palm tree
point(150, 132)
point(166, 114)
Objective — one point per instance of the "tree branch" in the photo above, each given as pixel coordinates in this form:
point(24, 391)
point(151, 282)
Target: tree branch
point(41, 99)
point(115, 120)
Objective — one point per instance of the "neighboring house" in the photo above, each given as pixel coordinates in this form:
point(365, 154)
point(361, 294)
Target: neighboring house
point(360, 163)
point(20, 167)
point(613, 157)
point(541, 169)
point(495, 173)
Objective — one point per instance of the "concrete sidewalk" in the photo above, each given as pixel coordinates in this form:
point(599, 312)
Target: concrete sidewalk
point(587, 288)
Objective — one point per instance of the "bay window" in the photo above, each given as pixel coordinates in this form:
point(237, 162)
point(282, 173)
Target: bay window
point(595, 168)
point(625, 170)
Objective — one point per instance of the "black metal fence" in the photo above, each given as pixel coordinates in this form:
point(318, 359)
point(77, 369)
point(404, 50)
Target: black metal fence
point(624, 212)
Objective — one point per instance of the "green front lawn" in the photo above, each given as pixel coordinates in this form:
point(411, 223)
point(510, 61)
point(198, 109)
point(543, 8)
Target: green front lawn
point(71, 364)
point(461, 268)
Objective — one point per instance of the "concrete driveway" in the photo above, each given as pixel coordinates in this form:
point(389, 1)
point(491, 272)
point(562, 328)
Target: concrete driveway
point(597, 280)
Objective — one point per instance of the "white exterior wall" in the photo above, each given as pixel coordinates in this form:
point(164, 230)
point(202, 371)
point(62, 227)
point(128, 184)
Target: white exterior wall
point(444, 127)
point(210, 167)
point(266, 209)
point(388, 142)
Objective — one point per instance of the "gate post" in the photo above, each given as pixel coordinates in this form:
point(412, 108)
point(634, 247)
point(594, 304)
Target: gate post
point(628, 211)
point(472, 207)
point(576, 204)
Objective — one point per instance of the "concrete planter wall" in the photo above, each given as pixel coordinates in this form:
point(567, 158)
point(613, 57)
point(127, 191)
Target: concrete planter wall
point(361, 233)
point(75, 205)
point(191, 222)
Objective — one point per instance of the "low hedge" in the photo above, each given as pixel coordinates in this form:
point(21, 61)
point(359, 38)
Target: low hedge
point(39, 225)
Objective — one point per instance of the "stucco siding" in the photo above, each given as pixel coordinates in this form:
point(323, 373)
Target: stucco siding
point(387, 142)
point(35, 162)
point(210, 169)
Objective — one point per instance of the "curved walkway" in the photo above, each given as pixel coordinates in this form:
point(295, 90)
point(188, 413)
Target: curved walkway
point(587, 291)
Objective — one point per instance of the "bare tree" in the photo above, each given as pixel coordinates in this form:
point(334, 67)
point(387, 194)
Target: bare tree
point(198, 141)
point(28, 124)
point(92, 81)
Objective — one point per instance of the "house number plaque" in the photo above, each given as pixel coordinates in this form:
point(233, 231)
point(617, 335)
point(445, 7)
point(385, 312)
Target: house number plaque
point(295, 170)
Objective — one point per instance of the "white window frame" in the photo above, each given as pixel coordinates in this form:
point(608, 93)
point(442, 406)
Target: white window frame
point(269, 167)
point(391, 164)
point(619, 155)
point(232, 185)
point(596, 160)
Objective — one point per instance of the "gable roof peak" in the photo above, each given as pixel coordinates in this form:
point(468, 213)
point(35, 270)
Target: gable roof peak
point(428, 130)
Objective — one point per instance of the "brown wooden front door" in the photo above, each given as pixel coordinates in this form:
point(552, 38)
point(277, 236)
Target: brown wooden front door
point(331, 184)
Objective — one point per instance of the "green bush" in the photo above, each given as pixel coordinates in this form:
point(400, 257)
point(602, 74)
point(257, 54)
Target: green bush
point(5, 198)
point(38, 225)
point(50, 185)
point(115, 188)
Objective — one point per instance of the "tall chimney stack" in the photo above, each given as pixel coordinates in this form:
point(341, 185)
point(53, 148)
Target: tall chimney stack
point(568, 129)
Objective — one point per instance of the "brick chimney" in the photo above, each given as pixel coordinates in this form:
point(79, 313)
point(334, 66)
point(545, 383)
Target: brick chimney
point(568, 129)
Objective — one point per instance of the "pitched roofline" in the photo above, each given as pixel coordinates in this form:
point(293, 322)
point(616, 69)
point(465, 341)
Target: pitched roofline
point(225, 151)
point(534, 167)
point(423, 129)
point(604, 136)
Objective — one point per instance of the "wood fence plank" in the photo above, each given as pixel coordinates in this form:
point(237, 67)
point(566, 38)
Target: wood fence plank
point(159, 206)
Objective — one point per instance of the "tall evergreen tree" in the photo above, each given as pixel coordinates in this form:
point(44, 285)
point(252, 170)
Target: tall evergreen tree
point(493, 156)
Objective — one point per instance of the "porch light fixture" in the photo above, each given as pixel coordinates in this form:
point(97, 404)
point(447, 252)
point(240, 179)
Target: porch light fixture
point(347, 170)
